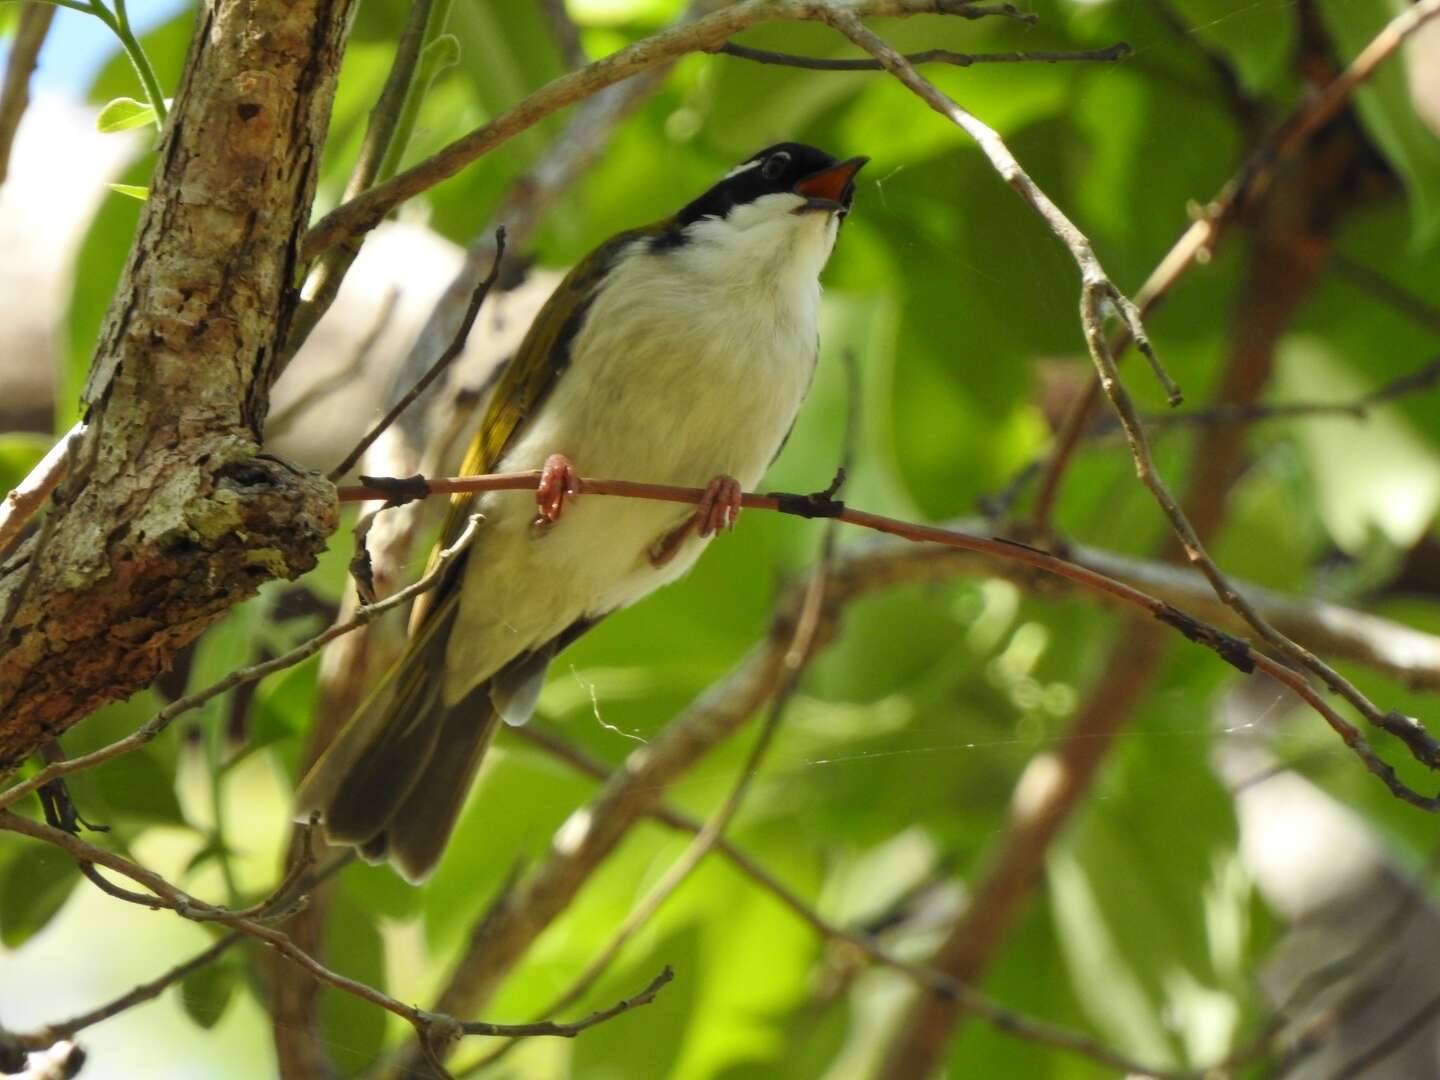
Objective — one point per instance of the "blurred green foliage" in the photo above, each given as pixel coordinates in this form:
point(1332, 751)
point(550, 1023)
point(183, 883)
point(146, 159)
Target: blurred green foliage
point(898, 757)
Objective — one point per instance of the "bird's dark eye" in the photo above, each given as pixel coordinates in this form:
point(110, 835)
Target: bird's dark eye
point(775, 165)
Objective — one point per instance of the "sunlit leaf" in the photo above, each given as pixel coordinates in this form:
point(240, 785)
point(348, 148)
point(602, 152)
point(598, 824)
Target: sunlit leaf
point(1388, 108)
point(122, 114)
point(36, 885)
point(206, 993)
point(135, 191)
point(1370, 474)
point(353, 1028)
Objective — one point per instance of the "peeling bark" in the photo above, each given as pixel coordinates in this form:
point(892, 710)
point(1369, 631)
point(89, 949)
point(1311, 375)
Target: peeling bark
point(170, 514)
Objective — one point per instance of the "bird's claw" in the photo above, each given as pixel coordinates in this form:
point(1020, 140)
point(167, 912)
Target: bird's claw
point(558, 482)
point(719, 507)
point(718, 510)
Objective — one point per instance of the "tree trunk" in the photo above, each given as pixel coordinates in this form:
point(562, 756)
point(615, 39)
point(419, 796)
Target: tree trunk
point(170, 515)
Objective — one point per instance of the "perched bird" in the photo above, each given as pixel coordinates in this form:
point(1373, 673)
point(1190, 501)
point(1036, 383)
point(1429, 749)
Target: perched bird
point(677, 353)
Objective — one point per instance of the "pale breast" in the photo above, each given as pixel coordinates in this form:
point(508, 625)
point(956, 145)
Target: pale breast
point(682, 372)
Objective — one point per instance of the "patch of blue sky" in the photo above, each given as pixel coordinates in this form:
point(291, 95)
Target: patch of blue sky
point(79, 45)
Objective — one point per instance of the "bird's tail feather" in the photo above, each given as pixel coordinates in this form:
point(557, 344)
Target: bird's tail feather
point(369, 770)
point(416, 835)
point(394, 780)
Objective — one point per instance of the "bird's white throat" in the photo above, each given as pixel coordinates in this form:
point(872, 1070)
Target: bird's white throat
point(764, 243)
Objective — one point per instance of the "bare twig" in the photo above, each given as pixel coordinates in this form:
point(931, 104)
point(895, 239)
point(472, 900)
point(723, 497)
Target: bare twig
point(1408, 1028)
point(429, 1026)
point(1249, 185)
point(1099, 296)
point(1243, 189)
point(364, 212)
point(1245, 109)
point(1231, 649)
point(1420, 743)
point(323, 283)
point(22, 503)
point(1327, 104)
point(161, 720)
point(147, 991)
point(443, 361)
point(565, 33)
point(570, 1030)
point(15, 92)
point(283, 899)
point(1109, 54)
point(1414, 307)
point(281, 419)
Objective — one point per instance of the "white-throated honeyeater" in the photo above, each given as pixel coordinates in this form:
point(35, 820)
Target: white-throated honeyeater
point(677, 353)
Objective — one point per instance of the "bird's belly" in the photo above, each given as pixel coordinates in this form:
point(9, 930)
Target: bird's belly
point(682, 410)
point(696, 399)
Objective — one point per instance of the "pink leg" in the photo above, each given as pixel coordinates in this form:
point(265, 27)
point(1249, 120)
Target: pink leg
point(718, 510)
point(558, 481)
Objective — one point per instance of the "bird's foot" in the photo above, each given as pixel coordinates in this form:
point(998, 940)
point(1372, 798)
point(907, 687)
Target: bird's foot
point(719, 507)
point(718, 510)
point(558, 481)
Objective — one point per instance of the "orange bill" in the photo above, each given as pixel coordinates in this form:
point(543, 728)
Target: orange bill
point(831, 184)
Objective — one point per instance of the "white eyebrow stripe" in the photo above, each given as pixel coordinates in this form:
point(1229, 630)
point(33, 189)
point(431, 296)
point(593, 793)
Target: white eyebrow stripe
point(743, 168)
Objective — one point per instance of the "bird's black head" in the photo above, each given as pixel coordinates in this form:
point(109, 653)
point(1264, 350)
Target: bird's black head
point(822, 181)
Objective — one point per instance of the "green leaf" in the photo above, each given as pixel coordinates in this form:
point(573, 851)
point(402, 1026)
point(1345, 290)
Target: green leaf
point(139, 785)
point(122, 114)
point(1125, 1013)
point(135, 191)
point(206, 993)
point(648, 1041)
point(37, 883)
point(1376, 476)
point(353, 1028)
point(1257, 39)
point(1387, 107)
point(442, 53)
